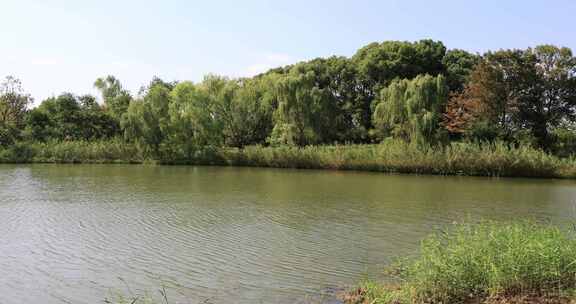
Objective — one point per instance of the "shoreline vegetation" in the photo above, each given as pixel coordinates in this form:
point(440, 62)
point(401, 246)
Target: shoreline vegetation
point(393, 156)
point(488, 262)
point(495, 263)
point(394, 106)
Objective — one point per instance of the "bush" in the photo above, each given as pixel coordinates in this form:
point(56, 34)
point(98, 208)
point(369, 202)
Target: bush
point(105, 151)
point(564, 142)
point(483, 131)
point(484, 261)
point(17, 153)
point(8, 135)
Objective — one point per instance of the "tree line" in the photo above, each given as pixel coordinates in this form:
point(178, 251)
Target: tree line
point(418, 91)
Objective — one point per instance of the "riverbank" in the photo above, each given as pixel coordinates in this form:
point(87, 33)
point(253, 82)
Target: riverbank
point(498, 159)
point(484, 263)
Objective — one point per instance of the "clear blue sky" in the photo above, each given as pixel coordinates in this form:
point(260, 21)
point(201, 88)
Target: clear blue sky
point(64, 45)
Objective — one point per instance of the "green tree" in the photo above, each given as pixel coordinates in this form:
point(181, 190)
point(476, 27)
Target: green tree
point(553, 100)
point(378, 64)
point(115, 97)
point(540, 85)
point(147, 121)
point(459, 64)
point(243, 109)
point(64, 114)
point(192, 122)
point(303, 113)
point(412, 109)
point(337, 76)
point(68, 117)
point(97, 123)
point(13, 106)
point(39, 126)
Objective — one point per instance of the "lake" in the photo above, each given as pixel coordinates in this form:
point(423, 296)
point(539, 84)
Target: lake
point(84, 233)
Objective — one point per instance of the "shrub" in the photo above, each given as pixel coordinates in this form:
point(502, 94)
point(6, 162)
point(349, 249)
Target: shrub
point(484, 261)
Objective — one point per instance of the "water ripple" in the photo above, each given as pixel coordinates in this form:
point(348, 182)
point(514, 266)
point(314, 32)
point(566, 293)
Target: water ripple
point(77, 233)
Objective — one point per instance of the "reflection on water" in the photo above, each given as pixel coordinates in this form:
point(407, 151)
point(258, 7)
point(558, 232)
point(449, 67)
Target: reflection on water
point(74, 233)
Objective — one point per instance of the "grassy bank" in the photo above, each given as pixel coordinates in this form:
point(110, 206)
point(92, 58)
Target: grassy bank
point(484, 263)
point(496, 159)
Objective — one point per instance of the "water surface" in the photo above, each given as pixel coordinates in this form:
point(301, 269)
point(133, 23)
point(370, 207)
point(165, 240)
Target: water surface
point(81, 233)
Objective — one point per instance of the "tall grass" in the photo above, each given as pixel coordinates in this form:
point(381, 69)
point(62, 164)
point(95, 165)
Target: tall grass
point(490, 159)
point(498, 159)
point(484, 261)
point(110, 151)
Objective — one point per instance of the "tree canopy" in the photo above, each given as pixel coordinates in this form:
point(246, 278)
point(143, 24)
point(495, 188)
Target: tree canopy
point(418, 91)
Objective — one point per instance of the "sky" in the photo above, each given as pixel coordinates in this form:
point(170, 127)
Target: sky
point(57, 46)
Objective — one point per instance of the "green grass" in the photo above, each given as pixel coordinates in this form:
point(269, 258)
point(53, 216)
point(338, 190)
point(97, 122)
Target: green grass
point(475, 263)
point(110, 151)
point(498, 159)
point(396, 156)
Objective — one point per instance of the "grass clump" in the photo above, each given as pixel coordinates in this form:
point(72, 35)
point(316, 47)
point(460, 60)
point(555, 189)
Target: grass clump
point(392, 156)
point(105, 151)
point(395, 156)
point(483, 263)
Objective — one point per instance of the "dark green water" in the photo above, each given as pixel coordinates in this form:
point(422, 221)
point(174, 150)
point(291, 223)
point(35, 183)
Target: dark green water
point(80, 233)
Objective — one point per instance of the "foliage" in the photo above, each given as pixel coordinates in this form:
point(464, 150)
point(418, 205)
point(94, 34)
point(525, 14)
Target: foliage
point(115, 97)
point(338, 77)
point(244, 110)
point(380, 63)
point(564, 139)
point(485, 100)
point(395, 156)
point(412, 109)
point(68, 117)
point(542, 84)
point(459, 64)
point(418, 92)
point(377, 64)
point(96, 151)
point(146, 121)
point(17, 153)
point(472, 263)
point(304, 111)
point(13, 105)
point(462, 113)
point(192, 118)
point(555, 101)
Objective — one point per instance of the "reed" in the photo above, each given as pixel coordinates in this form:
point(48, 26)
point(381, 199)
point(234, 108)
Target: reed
point(484, 263)
point(496, 159)
point(393, 156)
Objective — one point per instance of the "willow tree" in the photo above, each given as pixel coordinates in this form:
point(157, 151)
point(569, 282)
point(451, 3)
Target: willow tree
point(192, 118)
point(304, 111)
point(115, 97)
point(146, 121)
point(378, 64)
point(337, 76)
point(412, 109)
point(243, 108)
